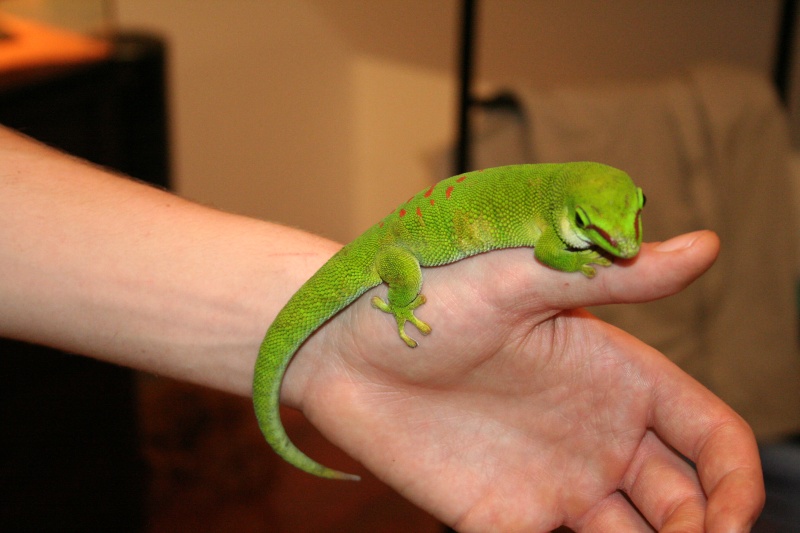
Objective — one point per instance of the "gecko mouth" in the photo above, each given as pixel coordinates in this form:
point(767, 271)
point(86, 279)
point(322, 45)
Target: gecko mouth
point(604, 234)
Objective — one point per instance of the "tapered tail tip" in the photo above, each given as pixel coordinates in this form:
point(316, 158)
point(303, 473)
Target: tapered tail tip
point(333, 474)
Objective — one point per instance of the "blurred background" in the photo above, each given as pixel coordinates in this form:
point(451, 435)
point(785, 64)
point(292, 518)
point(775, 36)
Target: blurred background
point(325, 114)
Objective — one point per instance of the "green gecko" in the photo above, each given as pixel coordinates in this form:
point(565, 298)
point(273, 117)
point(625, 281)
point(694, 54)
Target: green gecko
point(566, 212)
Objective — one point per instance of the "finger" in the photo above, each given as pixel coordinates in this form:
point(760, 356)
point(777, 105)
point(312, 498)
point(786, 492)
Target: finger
point(735, 486)
point(660, 270)
point(614, 513)
point(668, 267)
point(664, 487)
point(699, 425)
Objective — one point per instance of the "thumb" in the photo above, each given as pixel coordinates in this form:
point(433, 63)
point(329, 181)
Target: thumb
point(660, 270)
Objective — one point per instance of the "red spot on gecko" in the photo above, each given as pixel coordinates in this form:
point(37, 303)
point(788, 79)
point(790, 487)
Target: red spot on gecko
point(462, 178)
point(429, 191)
point(448, 192)
point(433, 202)
point(419, 212)
point(402, 212)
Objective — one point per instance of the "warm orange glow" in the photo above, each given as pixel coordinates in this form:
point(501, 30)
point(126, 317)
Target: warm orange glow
point(33, 45)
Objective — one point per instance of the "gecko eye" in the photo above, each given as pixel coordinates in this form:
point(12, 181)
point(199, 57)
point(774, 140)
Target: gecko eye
point(581, 220)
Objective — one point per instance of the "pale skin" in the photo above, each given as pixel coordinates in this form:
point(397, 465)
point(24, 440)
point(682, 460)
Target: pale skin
point(515, 414)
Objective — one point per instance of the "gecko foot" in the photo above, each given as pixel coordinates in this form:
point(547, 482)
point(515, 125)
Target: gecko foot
point(403, 314)
point(592, 257)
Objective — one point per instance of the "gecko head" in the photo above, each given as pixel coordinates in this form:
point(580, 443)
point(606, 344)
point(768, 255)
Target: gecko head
point(604, 209)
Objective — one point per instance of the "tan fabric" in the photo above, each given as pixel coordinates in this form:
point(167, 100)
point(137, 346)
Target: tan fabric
point(710, 149)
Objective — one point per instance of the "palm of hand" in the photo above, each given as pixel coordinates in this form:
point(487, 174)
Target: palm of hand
point(515, 414)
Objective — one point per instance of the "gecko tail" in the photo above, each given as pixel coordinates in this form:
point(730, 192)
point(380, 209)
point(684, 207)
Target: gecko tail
point(305, 463)
point(266, 392)
point(321, 297)
point(275, 434)
point(294, 456)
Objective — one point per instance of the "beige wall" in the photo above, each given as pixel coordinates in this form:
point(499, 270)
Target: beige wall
point(310, 113)
point(324, 114)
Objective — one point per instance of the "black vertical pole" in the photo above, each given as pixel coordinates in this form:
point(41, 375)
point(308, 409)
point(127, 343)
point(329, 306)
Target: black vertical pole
point(468, 8)
point(784, 48)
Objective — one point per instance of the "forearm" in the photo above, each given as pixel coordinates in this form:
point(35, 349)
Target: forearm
point(107, 267)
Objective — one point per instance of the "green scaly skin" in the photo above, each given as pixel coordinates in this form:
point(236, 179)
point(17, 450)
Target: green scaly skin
point(566, 212)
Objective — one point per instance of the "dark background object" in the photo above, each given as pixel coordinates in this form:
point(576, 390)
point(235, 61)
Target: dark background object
point(781, 69)
point(69, 446)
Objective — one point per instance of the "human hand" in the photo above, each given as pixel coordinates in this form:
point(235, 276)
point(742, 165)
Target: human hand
point(523, 412)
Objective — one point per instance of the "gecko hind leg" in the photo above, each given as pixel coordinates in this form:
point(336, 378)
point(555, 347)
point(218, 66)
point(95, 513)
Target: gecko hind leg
point(400, 270)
